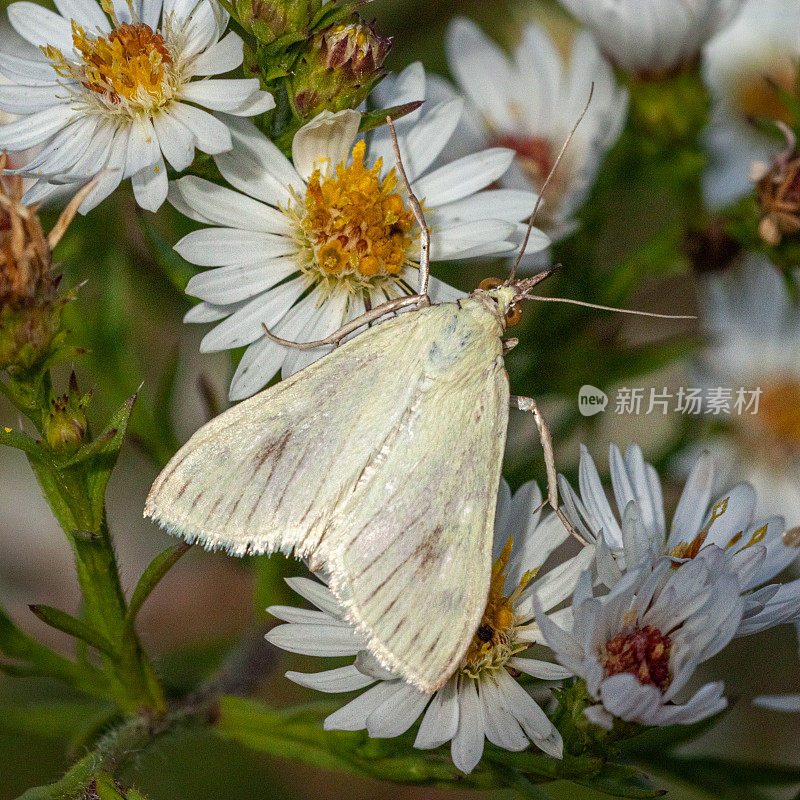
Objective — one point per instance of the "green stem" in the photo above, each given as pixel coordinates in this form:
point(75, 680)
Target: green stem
point(133, 681)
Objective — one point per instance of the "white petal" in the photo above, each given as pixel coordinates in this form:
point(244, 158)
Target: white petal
point(467, 746)
point(454, 241)
point(533, 720)
point(257, 103)
point(211, 135)
point(397, 713)
point(142, 148)
point(27, 70)
point(693, 503)
point(40, 26)
point(246, 325)
point(231, 209)
point(150, 186)
point(176, 141)
point(507, 204)
point(440, 722)
point(463, 177)
point(237, 282)
point(316, 640)
point(344, 679)
point(317, 593)
point(500, 726)
point(353, 716)
point(208, 312)
point(86, 13)
point(28, 99)
point(212, 247)
point(325, 142)
point(34, 129)
point(224, 56)
point(544, 670)
point(779, 702)
point(220, 94)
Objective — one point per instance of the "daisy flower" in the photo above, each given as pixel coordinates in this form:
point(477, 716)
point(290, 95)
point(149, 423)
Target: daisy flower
point(754, 330)
point(655, 36)
point(638, 646)
point(113, 90)
point(483, 699)
point(530, 103)
point(744, 67)
point(306, 245)
point(726, 531)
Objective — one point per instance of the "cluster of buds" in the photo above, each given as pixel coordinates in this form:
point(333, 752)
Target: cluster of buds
point(270, 20)
point(778, 192)
point(30, 307)
point(339, 68)
point(64, 425)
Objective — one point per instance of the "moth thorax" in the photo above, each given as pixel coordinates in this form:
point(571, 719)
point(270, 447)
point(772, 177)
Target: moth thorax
point(130, 66)
point(643, 653)
point(757, 94)
point(356, 223)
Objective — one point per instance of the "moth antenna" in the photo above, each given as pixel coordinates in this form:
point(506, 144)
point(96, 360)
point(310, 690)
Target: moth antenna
point(527, 296)
point(555, 166)
point(419, 215)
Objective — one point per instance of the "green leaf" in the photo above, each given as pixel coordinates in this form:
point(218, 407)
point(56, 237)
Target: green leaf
point(151, 577)
point(721, 773)
point(71, 786)
point(21, 441)
point(52, 719)
point(105, 459)
point(374, 119)
point(297, 733)
point(620, 780)
point(62, 621)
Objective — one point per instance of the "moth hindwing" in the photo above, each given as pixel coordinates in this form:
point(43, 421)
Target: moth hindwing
point(381, 460)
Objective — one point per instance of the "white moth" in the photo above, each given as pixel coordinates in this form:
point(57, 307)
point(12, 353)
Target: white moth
point(379, 463)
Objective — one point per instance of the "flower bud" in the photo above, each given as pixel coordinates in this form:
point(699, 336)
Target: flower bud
point(339, 69)
point(65, 422)
point(778, 192)
point(30, 307)
point(269, 20)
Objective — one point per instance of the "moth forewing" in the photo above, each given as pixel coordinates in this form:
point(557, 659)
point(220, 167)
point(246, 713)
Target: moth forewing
point(381, 460)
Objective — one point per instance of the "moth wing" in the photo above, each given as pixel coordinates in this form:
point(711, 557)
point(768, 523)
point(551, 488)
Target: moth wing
point(270, 473)
point(413, 543)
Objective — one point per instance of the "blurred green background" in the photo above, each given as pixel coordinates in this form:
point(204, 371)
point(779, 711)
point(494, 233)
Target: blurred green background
point(129, 315)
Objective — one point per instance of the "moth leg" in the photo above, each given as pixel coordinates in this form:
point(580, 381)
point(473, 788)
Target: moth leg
point(336, 337)
point(529, 404)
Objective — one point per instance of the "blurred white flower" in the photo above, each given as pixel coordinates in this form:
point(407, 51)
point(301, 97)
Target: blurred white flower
point(483, 700)
point(638, 646)
point(725, 532)
point(118, 95)
point(651, 37)
point(310, 244)
point(754, 330)
point(530, 103)
point(742, 66)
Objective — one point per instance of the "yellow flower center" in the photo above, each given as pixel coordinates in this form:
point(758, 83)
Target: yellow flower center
point(129, 70)
point(758, 95)
point(357, 225)
point(779, 410)
point(494, 643)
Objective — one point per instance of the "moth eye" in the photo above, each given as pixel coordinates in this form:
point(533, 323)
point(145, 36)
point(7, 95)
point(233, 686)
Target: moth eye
point(513, 316)
point(487, 284)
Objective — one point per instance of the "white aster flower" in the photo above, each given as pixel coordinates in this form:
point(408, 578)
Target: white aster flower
point(754, 330)
point(483, 699)
point(742, 66)
point(638, 646)
point(652, 37)
point(530, 103)
point(307, 245)
point(725, 532)
point(113, 90)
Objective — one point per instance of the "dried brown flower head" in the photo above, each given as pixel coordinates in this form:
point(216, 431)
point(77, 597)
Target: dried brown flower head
point(778, 191)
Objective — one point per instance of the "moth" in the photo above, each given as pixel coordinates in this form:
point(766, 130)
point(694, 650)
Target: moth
point(379, 463)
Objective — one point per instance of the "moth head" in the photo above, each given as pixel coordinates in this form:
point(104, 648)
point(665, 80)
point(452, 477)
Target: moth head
point(499, 298)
